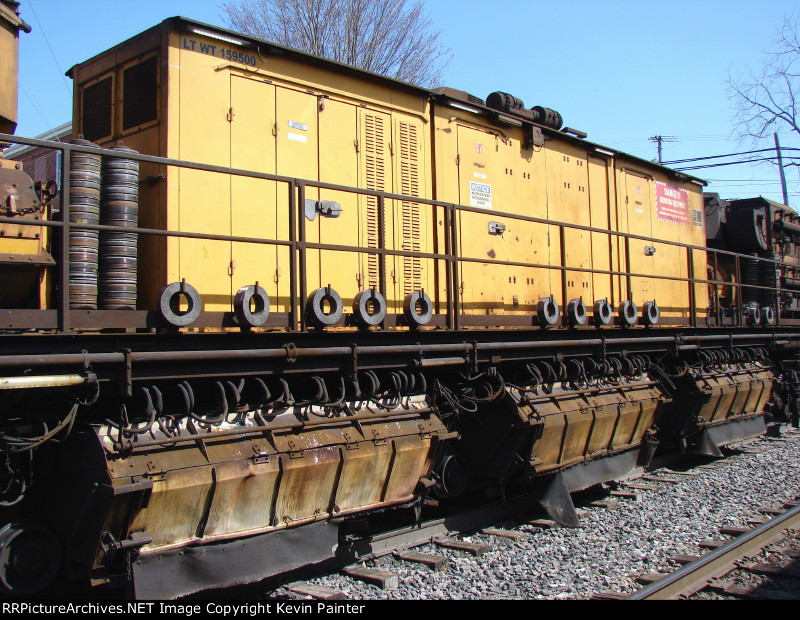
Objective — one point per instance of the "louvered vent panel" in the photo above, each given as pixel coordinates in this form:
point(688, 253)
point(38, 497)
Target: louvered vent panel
point(375, 159)
point(409, 185)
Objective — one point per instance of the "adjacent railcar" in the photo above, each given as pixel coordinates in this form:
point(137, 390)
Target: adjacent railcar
point(282, 293)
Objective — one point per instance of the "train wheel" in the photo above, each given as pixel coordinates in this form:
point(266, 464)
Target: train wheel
point(30, 556)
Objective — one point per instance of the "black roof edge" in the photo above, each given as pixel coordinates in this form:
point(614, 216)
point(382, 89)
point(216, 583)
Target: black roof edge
point(491, 113)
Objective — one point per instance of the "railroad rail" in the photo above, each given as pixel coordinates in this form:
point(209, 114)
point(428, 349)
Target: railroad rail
point(696, 575)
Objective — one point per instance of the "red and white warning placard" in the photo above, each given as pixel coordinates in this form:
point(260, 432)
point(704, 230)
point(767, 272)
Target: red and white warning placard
point(672, 204)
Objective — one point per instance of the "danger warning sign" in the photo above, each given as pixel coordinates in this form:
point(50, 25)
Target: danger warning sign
point(672, 204)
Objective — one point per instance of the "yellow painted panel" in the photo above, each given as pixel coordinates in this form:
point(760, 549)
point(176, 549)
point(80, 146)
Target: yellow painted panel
point(637, 199)
point(412, 221)
point(375, 173)
point(568, 201)
point(253, 200)
point(603, 286)
point(338, 163)
point(203, 198)
point(297, 144)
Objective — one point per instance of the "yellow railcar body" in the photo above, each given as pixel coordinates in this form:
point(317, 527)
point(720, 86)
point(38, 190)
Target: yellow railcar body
point(292, 115)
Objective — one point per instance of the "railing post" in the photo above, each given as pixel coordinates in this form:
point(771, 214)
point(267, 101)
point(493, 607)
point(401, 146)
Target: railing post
point(63, 285)
point(454, 265)
point(382, 245)
point(692, 292)
point(562, 239)
point(448, 267)
point(300, 226)
point(294, 302)
point(628, 278)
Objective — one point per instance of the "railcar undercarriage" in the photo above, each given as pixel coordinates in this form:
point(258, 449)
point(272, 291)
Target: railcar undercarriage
point(122, 462)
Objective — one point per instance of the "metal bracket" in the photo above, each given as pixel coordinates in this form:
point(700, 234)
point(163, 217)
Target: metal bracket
point(326, 208)
point(496, 228)
point(353, 362)
point(291, 352)
point(473, 355)
point(127, 380)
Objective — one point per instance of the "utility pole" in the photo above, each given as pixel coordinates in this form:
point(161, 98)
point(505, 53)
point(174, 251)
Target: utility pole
point(780, 169)
point(658, 140)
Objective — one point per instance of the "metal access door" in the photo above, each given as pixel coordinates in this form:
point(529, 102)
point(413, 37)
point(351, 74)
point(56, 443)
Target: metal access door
point(253, 208)
point(639, 212)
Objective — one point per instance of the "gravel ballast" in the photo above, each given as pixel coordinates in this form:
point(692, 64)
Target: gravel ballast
point(611, 547)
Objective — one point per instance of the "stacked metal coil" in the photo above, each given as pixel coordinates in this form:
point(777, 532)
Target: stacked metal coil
point(84, 201)
point(118, 250)
point(751, 276)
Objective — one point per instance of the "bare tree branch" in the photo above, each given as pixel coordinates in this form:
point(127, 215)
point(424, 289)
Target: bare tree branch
point(767, 102)
point(390, 37)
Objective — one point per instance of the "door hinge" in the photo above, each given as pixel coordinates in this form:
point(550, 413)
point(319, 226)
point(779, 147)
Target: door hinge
point(232, 268)
point(277, 275)
point(458, 160)
point(275, 129)
point(355, 144)
point(230, 115)
point(391, 148)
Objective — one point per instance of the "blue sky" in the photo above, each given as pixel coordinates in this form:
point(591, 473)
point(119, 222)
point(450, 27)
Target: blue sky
point(620, 70)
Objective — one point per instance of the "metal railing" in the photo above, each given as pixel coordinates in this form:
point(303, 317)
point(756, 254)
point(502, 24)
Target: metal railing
point(446, 235)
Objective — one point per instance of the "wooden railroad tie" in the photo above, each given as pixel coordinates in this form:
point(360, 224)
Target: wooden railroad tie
point(772, 511)
point(683, 558)
point(649, 578)
point(546, 523)
point(662, 479)
point(636, 497)
point(734, 530)
point(641, 487)
point(510, 534)
point(609, 596)
point(608, 504)
point(475, 549)
point(774, 571)
point(683, 473)
point(438, 563)
point(381, 578)
point(710, 543)
point(318, 592)
point(726, 587)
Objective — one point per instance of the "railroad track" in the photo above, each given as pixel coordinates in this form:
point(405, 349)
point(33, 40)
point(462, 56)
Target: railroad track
point(707, 571)
point(457, 544)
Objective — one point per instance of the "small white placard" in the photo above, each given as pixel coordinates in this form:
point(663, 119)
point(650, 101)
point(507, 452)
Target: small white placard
point(296, 137)
point(480, 195)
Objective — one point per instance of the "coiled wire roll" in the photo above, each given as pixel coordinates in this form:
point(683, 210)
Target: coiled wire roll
point(119, 250)
point(84, 201)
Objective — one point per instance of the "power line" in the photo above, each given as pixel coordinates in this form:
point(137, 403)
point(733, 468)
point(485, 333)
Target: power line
point(684, 161)
point(736, 163)
point(52, 53)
